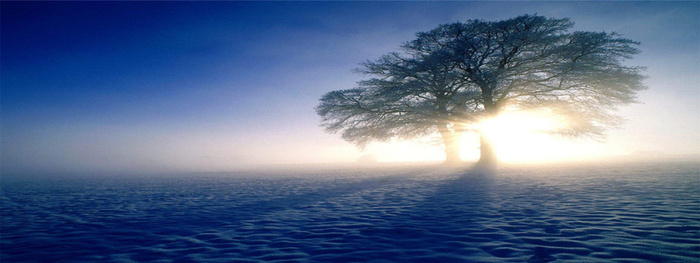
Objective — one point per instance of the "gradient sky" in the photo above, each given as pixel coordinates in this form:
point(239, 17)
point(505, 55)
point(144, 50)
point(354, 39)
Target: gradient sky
point(209, 86)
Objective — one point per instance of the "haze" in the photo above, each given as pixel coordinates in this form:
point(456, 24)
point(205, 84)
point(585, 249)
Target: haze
point(212, 86)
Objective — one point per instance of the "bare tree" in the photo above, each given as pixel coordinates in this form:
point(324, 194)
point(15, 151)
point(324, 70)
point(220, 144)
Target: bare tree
point(462, 73)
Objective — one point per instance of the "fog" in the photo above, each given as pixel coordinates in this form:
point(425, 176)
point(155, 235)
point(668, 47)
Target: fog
point(179, 93)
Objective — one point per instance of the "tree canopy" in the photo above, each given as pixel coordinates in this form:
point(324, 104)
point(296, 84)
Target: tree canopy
point(459, 74)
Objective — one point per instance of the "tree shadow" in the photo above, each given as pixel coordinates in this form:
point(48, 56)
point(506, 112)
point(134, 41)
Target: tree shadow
point(438, 228)
point(461, 220)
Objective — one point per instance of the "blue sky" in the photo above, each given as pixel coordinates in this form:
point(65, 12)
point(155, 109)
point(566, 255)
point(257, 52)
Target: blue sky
point(200, 86)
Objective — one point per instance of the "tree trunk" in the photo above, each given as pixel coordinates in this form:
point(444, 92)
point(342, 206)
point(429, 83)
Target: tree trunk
point(487, 154)
point(452, 151)
point(487, 158)
point(451, 141)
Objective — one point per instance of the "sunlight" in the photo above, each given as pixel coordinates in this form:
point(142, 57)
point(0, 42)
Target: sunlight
point(517, 136)
point(523, 137)
point(406, 151)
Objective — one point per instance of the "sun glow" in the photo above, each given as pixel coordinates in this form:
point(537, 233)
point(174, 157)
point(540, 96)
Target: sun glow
point(517, 137)
point(406, 151)
point(524, 137)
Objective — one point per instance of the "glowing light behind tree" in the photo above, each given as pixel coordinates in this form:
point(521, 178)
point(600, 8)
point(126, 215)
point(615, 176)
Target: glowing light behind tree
point(459, 74)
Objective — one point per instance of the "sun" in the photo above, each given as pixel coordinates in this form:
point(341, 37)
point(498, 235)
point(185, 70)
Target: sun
point(525, 137)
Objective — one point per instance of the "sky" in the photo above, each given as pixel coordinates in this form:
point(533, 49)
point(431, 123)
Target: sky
point(90, 87)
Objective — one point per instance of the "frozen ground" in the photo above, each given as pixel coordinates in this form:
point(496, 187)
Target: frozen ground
point(605, 213)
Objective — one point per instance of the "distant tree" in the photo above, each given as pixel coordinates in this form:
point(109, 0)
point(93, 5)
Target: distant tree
point(462, 73)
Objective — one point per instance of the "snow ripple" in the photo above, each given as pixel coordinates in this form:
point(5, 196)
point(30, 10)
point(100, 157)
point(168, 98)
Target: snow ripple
point(424, 214)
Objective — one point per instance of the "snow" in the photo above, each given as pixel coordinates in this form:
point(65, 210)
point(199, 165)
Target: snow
point(426, 213)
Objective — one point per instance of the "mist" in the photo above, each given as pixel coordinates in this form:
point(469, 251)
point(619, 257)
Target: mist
point(179, 93)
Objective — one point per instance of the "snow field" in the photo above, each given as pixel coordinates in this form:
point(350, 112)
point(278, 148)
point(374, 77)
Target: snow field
point(605, 213)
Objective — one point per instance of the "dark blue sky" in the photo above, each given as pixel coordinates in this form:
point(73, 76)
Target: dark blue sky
point(164, 86)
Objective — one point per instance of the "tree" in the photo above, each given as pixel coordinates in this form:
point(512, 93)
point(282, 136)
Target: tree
point(410, 97)
point(459, 74)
